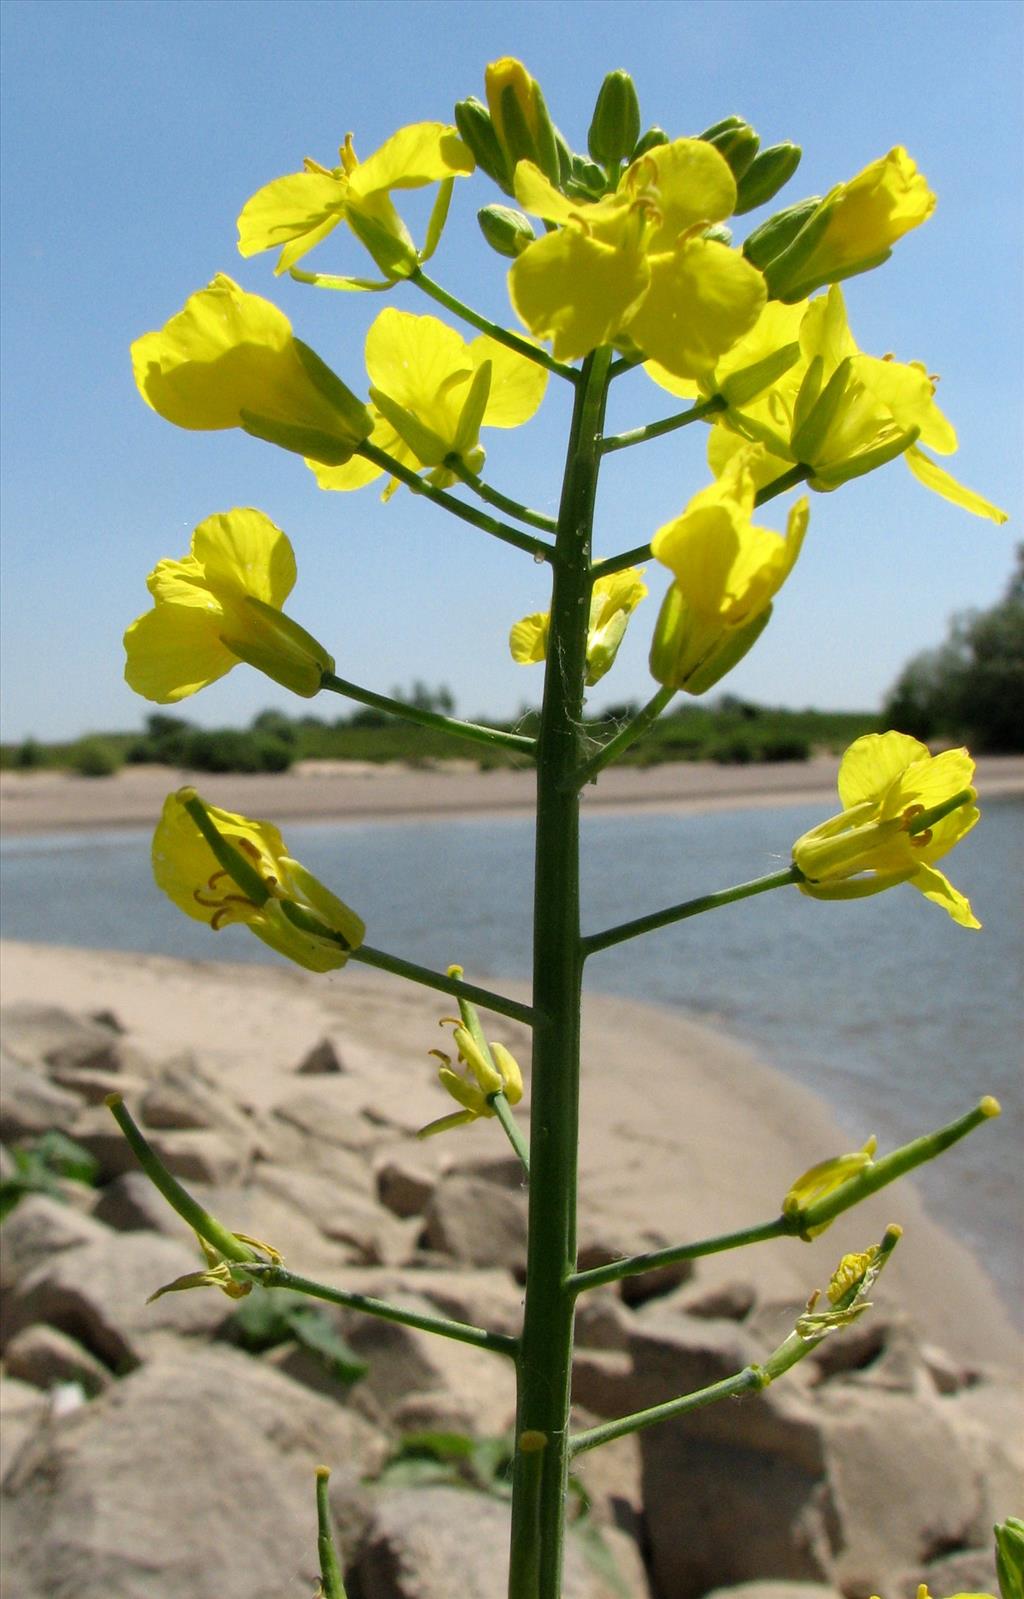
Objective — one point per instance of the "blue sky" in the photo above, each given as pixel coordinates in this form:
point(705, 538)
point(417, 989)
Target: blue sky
point(134, 132)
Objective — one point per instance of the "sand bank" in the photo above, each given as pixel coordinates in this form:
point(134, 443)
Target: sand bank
point(44, 802)
point(684, 1130)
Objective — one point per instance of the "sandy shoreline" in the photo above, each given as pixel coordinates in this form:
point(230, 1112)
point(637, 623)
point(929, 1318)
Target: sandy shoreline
point(684, 1130)
point(49, 802)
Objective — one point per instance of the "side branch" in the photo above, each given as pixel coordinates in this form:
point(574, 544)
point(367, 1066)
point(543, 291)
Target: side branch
point(501, 502)
point(426, 976)
point(669, 424)
point(448, 502)
point(636, 1265)
point(689, 907)
point(460, 1331)
point(494, 330)
point(472, 731)
point(627, 735)
point(749, 1380)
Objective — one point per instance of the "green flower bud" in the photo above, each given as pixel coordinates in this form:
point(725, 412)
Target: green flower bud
point(615, 126)
point(1010, 1557)
point(727, 125)
point(778, 232)
point(586, 180)
point(519, 114)
point(476, 129)
point(765, 176)
point(649, 141)
point(507, 231)
point(739, 146)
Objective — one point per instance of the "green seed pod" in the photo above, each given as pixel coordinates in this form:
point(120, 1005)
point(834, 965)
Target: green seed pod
point(476, 129)
point(739, 146)
point(615, 126)
point(766, 176)
point(777, 234)
point(650, 141)
point(506, 231)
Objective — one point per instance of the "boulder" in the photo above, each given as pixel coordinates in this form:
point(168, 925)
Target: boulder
point(404, 1187)
point(603, 1240)
point(193, 1477)
point(45, 1356)
point(38, 1229)
point(182, 1096)
point(23, 1408)
point(477, 1223)
point(434, 1543)
point(345, 1214)
point(29, 1103)
point(322, 1059)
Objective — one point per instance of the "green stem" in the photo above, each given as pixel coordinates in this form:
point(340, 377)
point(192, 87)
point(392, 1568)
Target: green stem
point(448, 502)
point(330, 1572)
point(689, 907)
point(636, 1265)
point(669, 424)
point(494, 330)
point(642, 552)
point(501, 502)
point(513, 1131)
point(626, 736)
point(426, 976)
point(540, 1472)
point(460, 1331)
point(472, 731)
point(624, 363)
point(747, 1381)
point(179, 1199)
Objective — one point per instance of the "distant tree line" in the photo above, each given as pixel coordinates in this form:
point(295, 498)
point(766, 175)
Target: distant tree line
point(970, 689)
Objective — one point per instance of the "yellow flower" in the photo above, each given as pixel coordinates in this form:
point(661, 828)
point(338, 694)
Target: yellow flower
point(853, 228)
point(299, 210)
point(491, 1070)
point(833, 410)
point(612, 602)
point(727, 573)
point(219, 605)
point(229, 359)
point(635, 267)
point(890, 785)
point(219, 868)
point(823, 1179)
point(432, 392)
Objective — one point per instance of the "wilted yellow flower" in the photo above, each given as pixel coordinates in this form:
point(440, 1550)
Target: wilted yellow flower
point(229, 359)
point(218, 1273)
point(613, 600)
point(219, 605)
point(220, 868)
point(635, 266)
point(491, 1069)
point(299, 210)
point(854, 227)
point(888, 782)
point(834, 410)
point(432, 392)
point(824, 1179)
point(727, 572)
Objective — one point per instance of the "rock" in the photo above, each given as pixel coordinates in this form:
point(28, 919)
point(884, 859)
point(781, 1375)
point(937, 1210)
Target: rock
point(417, 1546)
point(108, 1019)
point(345, 1215)
point(38, 1229)
point(130, 1204)
point(403, 1187)
point(967, 1571)
point(826, 1482)
point(602, 1381)
point(192, 1479)
point(730, 1301)
point(44, 1356)
point(97, 1294)
point(183, 1097)
point(92, 1084)
point(333, 1119)
point(505, 1171)
point(323, 1058)
point(601, 1320)
point(612, 1479)
point(882, 1350)
point(488, 1297)
point(199, 1155)
point(477, 1223)
point(774, 1590)
point(22, 1409)
point(37, 1034)
point(29, 1103)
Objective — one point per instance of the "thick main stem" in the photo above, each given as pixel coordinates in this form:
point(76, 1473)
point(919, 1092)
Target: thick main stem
point(542, 1454)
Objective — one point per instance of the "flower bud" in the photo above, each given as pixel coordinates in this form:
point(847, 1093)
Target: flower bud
point(476, 129)
point(648, 141)
point(396, 256)
point(777, 233)
point(615, 126)
point(739, 145)
point(506, 231)
point(520, 118)
point(765, 176)
point(689, 652)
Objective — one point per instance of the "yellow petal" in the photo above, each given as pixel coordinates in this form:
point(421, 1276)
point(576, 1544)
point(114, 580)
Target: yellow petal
point(418, 361)
point(934, 886)
point(424, 152)
point(940, 482)
point(612, 603)
point(173, 651)
point(517, 384)
point(576, 289)
point(688, 181)
point(702, 298)
point(289, 208)
point(873, 763)
point(243, 549)
point(184, 863)
point(528, 639)
point(537, 194)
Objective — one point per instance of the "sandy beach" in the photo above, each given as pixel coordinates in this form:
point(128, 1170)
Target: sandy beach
point(687, 1134)
point(45, 802)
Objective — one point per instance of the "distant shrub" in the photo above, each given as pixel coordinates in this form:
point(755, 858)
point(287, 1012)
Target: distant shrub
point(784, 747)
point(225, 750)
point(730, 750)
point(94, 757)
point(29, 756)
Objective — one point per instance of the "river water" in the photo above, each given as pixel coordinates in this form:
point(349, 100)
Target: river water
point(899, 1019)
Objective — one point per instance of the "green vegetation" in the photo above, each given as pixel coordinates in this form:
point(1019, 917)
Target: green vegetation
point(730, 731)
point(971, 689)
